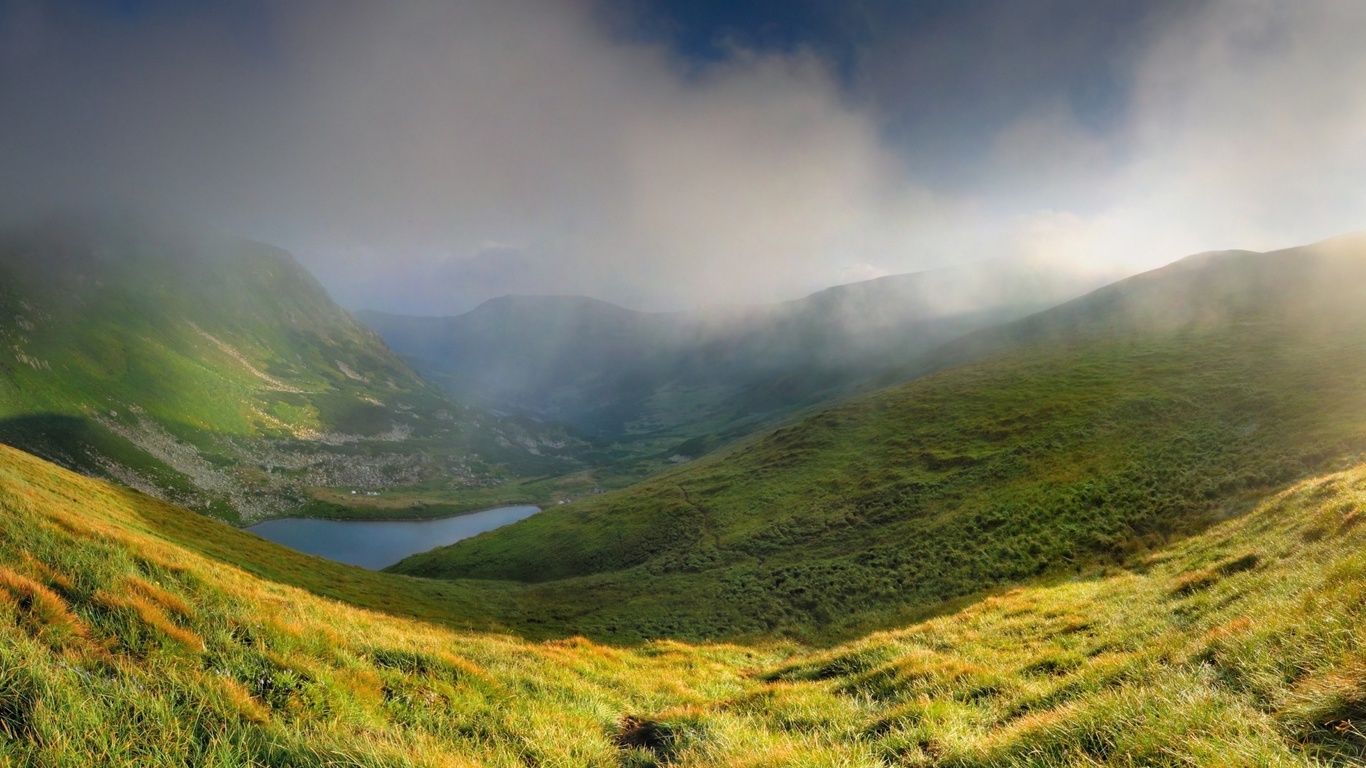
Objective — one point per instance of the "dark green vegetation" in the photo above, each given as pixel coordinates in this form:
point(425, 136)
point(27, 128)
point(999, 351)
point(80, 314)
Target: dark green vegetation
point(1106, 428)
point(655, 388)
point(216, 372)
point(1126, 531)
point(135, 633)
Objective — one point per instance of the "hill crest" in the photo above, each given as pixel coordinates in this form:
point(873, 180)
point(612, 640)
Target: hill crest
point(217, 372)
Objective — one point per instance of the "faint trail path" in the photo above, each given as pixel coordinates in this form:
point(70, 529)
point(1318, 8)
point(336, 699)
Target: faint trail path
point(232, 352)
point(707, 527)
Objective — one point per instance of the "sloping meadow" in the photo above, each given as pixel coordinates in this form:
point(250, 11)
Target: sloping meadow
point(1241, 646)
point(118, 647)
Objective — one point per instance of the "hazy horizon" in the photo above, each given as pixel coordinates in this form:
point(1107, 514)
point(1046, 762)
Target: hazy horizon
point(426, 156)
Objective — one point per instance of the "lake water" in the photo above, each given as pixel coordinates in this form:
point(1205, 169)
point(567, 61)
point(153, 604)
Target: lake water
point(375, 544)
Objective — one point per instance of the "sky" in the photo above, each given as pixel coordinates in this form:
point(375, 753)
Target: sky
point(422, 156)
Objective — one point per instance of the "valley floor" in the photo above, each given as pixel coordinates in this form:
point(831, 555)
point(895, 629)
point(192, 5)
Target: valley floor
point(135, 633)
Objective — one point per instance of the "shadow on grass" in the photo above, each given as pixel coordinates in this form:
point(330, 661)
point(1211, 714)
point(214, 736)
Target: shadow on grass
point(525, 610)
point(66, 441)
point(533, 612)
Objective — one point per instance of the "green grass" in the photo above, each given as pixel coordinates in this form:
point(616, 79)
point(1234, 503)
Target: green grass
point(1137, 547)
point(133, 635)
point(1241, 646)
point(993, 473)
point(136, 633)
point(218, 372)
point(1090, 434)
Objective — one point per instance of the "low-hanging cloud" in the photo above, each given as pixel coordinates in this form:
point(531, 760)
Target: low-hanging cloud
point(1242, 130)
point(423, 156)
point(548, 158)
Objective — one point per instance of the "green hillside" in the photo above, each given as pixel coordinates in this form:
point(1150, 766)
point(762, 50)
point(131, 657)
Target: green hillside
point(656, 388)
point(1111, 426)
point(136, 633)
point(216, 372)
point(1127, 542)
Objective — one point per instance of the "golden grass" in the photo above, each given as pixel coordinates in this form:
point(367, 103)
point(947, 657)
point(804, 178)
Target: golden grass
point(40, 609)
point(121, 644)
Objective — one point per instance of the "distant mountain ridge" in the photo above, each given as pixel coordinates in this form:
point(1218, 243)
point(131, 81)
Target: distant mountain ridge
point(217, 372)
point(1313, 283)
point(1091, 432)
point(627, 374)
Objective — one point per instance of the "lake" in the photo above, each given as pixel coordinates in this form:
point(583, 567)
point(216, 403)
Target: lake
point(375, 544)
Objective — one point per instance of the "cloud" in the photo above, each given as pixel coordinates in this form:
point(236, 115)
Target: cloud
point(423, 156)
point(1242, 130)
point(1254, 114)
point(387, 144)
point(614, 172)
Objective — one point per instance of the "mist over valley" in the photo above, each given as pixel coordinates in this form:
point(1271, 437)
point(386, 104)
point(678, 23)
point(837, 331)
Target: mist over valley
point(626, 383)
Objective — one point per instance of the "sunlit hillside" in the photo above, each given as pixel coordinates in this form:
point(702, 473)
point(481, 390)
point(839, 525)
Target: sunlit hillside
point(216, 372)
point(131, 635)
point(1139, 546)
point(668, 386)
point(1087, 434)
point(1136, 547)
point(708, 384)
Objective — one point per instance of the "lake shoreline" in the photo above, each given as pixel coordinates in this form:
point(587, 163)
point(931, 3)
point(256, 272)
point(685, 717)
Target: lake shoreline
point(291, 516)
point(378, 544)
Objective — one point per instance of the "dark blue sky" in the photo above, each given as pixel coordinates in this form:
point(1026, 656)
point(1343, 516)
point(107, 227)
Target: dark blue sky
point(943, 75)
point(706, 30)
point(428, 154)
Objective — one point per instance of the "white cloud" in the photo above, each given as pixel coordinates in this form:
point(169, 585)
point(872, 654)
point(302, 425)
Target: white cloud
point(424, 155)
point(1244, 131)
point(616, 174)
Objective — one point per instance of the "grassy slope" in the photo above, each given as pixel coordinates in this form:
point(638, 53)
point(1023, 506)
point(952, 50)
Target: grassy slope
point(1081, 446)
point(653, 387)
point(126, 639)
point(1238, 647)
point(217, 372)
point(129, 637)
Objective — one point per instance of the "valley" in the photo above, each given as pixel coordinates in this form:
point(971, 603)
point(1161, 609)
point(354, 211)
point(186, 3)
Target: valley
point(657, 389)
point(1094, 432)
point(217, 373)
point(1122, 529)
point(136, 632)
point(678, 384)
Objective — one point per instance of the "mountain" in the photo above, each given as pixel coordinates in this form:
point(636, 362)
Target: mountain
point(134, 633)
point(216, 372)
point(678, 384)
point(1297, 287)
point(554, 356)
point(1090, 433)
point(1123, 531)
